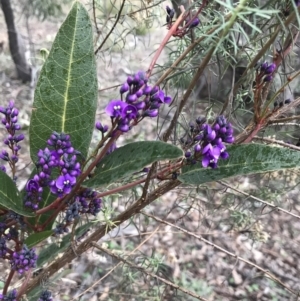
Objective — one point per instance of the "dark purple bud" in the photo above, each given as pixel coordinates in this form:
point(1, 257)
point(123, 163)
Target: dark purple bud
point(200, 120)
point(140, 105)
point(139, 93)
point(287, 101)
point(263, 66)
point(167, 99)
point(19, 138)
point(101, 128)
point(123, 126)
point(268, 78)
point(198, 137)
point(131, 98)
point(197, 148)
point(270, 69)
point(187, 154)
point(168, 9)
point(150, 113)
point(14, 112)
point(124, 88)
point(147, 90)
point(154, 90)
point(194, 23)
point(129, 80)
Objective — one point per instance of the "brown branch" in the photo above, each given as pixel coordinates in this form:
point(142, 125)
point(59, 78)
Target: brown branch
point(69, 255)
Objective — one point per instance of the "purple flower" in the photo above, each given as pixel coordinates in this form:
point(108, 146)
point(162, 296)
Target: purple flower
point(159, 96)
point(63, 184)
point(129, 112)
point(11, 296)
point(210, 156)
point(115, 108)
point(209, 133)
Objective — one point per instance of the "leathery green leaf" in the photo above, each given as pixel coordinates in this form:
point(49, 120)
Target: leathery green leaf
point(131, 158)
point(66, 93)
point(243, 159)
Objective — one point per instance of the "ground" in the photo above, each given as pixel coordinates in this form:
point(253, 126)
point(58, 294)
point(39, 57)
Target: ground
point(225, 253)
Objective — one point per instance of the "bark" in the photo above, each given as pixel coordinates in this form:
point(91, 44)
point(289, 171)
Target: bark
point(23, 71)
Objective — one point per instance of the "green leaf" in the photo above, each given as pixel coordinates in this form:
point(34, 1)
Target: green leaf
point(36, 238)
point(10, 198)
point(66, 94)
point(131, 158)
point(244, 159)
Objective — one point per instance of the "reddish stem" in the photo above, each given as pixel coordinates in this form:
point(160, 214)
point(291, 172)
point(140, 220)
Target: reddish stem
point(170, 33)
point(7, 282)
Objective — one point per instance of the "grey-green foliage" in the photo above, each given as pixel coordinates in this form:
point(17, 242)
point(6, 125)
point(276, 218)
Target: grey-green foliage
point(44, 9)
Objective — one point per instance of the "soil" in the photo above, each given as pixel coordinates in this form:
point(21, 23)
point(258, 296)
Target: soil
point(219, 220)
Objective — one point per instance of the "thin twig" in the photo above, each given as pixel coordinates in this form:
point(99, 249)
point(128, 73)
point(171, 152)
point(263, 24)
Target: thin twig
point(116, 266)
point(284, 119)
point(143, 270)
point(258, 199)
point(112, 28)
point(273, 277)
point(94, 16)
point(273, 141)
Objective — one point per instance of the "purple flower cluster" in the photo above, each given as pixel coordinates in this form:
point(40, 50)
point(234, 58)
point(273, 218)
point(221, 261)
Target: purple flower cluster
point(60, 155)
point(10, 120)
point(24, 260)
point(3, 248)
point(45, 296)
point(208, 142)
point(11, 296)
point(9, 233)
point(84, 202)
point(281, 103)
point(138, 100)
point(266, 70)
point(89, 202)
